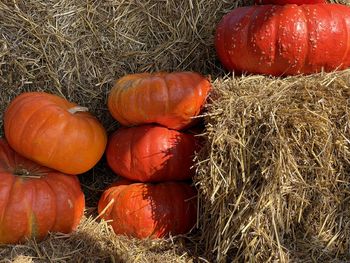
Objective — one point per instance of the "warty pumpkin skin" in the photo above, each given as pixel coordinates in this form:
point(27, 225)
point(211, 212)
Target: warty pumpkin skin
point(168, 99)
point(54, 132)
point(35, 200)
point(286, 2)
point(149, 210)
point(151, 153)
point(285, 40)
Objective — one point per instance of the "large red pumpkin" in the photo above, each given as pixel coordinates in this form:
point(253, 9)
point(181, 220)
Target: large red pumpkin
point(169, 99)
point(54, 132)
point(35, 200)
point(151, 153)
point(149, 210)
point(285, 2)
point(285, 40)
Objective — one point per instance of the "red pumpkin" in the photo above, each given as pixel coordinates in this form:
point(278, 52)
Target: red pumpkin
point(35, 200)
point(151, 153)
point(286, 2)
point(54, 132)
point(285, 40)
point(169, 99)
point(149, 210)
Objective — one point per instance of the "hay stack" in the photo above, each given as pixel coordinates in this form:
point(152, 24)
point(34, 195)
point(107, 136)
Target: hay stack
point(275, 173)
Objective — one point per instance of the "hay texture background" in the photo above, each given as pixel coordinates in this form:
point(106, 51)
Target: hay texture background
point(273, 181)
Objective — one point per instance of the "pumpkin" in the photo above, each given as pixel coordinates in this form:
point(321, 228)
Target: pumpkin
point(151, 153)
point(54, 132)
point(285, 40)
point(35, 200)
point(169, 99)
point(149, 210)
point(285, 2)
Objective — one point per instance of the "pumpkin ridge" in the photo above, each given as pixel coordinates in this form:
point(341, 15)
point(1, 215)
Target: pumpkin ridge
point(61, 185)
point(2, 216)
point(279, 25)
point(329, 14)
point(116, 94)
point(252, 24)
point(131, 147)
point(34, 233)
point(89, 124)
point(224, 33)
point(53, 195)
point(347, 30)
point(40, 127)
point(167, 92)
point(23, 132)
point(54, 149)
point(32, 222)
point(226, 48)
point(10, 118)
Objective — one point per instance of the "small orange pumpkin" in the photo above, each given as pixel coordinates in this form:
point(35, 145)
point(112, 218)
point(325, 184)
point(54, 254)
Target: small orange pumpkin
point(149, 210)
point(169, 99)
point(54, 132)
point(35, 200)
point(151, 153)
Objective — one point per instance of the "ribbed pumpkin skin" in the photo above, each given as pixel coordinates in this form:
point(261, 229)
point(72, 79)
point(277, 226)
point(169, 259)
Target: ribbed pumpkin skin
point(285, 40)
point(169, 99)
point(149, 210)
point(39, 127)
point(151, 153)
point(41, 201)
point(285, 2)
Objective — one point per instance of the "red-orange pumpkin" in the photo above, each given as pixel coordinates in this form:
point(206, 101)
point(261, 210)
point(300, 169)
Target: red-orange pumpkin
point(285, 40)
point(149, 210)
point(151, 153)
point(35, 200)
point(285, 2)
point(54, 132)
point(169, 99)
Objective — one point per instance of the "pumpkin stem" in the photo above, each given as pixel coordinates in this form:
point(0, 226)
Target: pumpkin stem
point(78, 109)
point(22, 172)
point(25, 173)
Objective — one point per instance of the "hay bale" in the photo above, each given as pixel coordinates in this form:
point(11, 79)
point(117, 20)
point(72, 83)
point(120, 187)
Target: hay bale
point(274, 176)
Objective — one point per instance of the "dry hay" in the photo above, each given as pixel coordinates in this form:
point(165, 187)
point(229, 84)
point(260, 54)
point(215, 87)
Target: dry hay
point(95, 242)
point(77, 49)
point(275, 173)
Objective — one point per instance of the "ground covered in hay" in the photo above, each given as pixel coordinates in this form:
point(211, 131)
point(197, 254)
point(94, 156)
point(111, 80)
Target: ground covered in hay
point(273, 177)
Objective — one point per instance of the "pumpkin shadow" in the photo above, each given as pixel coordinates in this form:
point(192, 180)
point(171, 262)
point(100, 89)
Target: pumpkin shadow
point(174, 162)
point(175, 232)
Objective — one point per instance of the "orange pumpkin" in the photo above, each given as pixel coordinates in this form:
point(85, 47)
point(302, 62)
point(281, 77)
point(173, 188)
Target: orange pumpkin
point(54, 132)
point(150, 153)
point(34, 199)
point(169, 99)
point(149, 210)
point(285, 39)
